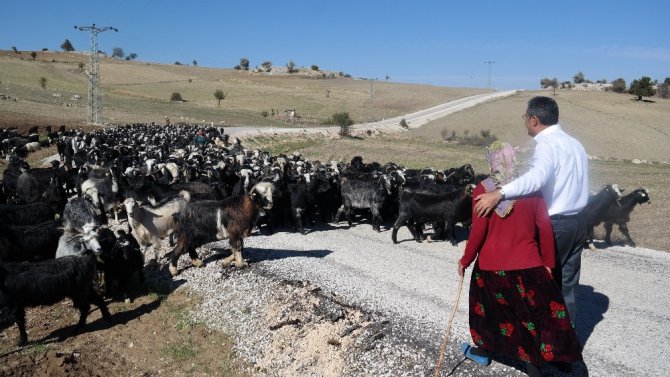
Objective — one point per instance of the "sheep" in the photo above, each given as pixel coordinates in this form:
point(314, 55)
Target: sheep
point(24, 285)
point(150, 225)
point(32, 146)
point(207, 221)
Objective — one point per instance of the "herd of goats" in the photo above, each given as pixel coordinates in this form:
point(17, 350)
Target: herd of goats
point(54, 236)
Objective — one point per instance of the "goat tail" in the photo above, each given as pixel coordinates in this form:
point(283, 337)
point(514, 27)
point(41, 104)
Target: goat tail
point(186, 195)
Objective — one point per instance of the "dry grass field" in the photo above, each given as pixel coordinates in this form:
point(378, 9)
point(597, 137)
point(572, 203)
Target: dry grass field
point(140, 92)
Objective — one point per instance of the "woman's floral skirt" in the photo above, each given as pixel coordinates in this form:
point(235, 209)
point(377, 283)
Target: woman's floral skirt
point(521, 314)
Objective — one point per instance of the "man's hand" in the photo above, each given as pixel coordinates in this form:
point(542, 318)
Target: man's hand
point(485, 203)
point(461, 269)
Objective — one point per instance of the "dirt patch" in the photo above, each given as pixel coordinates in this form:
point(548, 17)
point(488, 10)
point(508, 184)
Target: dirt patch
point(154, 335)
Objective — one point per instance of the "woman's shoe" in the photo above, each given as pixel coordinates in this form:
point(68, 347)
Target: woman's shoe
point(467, 351)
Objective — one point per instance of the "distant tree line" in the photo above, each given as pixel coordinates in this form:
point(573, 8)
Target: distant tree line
point(642, 87)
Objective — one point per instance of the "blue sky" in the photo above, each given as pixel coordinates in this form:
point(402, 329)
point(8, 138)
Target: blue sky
point(436, 42)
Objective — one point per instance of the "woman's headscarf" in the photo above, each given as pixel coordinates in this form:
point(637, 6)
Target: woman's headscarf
point(501, 157)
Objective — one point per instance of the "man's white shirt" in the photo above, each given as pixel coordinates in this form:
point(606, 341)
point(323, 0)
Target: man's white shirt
point(559, 169)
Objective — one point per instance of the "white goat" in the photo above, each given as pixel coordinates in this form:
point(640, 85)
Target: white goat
point(150, 225)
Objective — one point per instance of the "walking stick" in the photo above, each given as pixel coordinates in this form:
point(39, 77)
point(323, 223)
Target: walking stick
point(443, 347)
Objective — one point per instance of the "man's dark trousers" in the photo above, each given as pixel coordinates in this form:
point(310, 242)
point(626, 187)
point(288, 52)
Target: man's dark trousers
point(570, 235)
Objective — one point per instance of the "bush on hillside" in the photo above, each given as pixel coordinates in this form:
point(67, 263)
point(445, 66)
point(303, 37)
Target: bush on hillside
point(344, 121)
point(67, 46)
point(642, 88)
point(619, 85)
point(176, 97)
point(43, 82)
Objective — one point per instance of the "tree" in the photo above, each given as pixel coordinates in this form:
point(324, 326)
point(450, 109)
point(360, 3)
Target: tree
point(642, 88)
point(291, 67)
point(267, 65)
point(315, 67)
point(117, 52)
point(176, 97)
point(619, 85)
point(67, 46)
point(219, 95)
point(177, 63)
point(133, 55)
point(127, 58)
point(195, 62)
point(33, 55)
point(15, 50)
point(343, 120)
point(244, 63)
point(43, 82)
point(664, 88)
point(578, 78)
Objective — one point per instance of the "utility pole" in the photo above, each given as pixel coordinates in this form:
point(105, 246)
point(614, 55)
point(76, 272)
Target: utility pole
point(372, 102)
point(94, 105)
point(488, 81)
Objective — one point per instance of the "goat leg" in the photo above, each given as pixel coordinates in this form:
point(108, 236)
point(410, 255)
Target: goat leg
point(608, 233)
point(624, 229)
point(20, 318)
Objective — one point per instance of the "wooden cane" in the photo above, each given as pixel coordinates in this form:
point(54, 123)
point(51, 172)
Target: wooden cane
point(443, 347)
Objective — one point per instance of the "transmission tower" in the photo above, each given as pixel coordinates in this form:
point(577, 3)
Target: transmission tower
point(94, 105)
point(488, 81)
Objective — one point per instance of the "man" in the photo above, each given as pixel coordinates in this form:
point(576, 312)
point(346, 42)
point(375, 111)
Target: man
point(560, 170)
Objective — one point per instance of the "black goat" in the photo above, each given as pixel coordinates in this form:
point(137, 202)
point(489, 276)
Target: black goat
point(29, 242)
point(364, 191)
point(121, 263)
point(597, 207)
point(82, 211)
point(26, 214)
point(24, 285)
point(619, 214)
point(442, 204)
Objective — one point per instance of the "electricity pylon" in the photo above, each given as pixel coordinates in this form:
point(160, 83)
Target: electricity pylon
point(94, 104)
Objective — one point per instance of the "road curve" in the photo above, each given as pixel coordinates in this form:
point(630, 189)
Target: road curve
point(414, 120)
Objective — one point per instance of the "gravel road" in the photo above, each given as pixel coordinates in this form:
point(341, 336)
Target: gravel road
point(414, 120)
point(410, 288)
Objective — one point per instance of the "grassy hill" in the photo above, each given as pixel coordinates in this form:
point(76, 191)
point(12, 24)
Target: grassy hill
point(140, 92)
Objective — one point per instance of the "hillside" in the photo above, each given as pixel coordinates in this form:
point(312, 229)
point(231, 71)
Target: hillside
point(140, 92)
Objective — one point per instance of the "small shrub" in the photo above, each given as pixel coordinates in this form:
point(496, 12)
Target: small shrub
point(15, 50)
point(177, 63)
point(344, 121)
point(43, 82)
point(45, 49)
point(237, 67)
point(80, 66)
point(190, 81)
point(33, 55)
point(403, 123)
point(315, 67)
point(176, 97)
point(264, 113)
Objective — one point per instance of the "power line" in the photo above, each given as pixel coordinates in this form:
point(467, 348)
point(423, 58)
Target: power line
point(488, 81)
point(94, 104)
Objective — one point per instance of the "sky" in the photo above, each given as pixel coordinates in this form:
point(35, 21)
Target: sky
point(440, 42)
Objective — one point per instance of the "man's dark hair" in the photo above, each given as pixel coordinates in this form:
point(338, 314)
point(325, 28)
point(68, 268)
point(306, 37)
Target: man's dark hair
point(544, 108)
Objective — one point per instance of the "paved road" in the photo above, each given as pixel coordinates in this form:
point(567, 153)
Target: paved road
point(414, 120)
point(623, 315)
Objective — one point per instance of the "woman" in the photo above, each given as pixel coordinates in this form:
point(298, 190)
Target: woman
point(516, 308)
